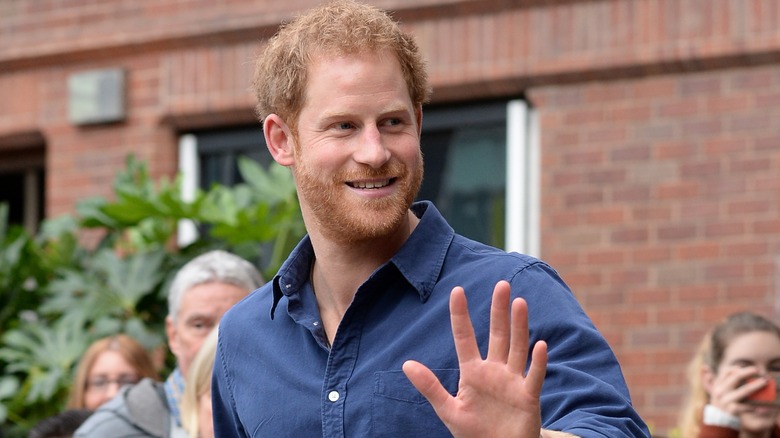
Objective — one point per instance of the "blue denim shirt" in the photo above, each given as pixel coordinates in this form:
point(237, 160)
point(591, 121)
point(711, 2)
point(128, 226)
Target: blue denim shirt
point(275, 374)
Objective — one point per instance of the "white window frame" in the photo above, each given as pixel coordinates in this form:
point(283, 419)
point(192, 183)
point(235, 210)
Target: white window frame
point(523, 185)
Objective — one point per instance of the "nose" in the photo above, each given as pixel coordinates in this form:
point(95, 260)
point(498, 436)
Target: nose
point(371, 150)
point(111, 390)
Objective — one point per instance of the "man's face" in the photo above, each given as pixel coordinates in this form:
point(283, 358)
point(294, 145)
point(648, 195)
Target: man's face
point(358, 164)
point(201, 309)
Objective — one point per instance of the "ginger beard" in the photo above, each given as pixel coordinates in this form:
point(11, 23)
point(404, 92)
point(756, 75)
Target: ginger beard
point(343, 217)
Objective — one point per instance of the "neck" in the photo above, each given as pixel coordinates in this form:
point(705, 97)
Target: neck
point(341, 268)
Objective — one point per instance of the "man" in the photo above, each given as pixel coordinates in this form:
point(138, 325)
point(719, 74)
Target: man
point(324, 349)
point(200, 294)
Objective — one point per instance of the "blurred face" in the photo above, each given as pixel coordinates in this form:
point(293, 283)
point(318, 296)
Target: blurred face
point(109, 373)
point(358, 163)
point(205, 420)
point(760, 350)
point(201, 309)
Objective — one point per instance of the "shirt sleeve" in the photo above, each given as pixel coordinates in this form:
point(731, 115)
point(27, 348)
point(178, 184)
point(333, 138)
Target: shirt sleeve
point(584, 392)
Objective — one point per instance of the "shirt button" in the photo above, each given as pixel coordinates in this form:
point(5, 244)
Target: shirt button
point(333, 396)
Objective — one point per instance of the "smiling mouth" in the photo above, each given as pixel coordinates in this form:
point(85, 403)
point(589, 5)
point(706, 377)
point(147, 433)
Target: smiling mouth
point(378, 184)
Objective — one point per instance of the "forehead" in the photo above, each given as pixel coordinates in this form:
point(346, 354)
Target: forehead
point(110, 361)
point(360, 73)
point(213, 299)
point(758, 347)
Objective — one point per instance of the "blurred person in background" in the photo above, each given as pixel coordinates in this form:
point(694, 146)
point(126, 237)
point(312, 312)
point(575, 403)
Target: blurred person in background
point(736, 361)
point(107, 365)
point(202, 291)
point(61, 425)
point(196, 414)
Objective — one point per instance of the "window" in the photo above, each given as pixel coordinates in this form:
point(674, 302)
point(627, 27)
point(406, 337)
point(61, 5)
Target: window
point(22, 182)
point(481, 168)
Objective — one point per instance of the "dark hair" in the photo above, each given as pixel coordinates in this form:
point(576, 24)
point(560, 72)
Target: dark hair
point(62, 425)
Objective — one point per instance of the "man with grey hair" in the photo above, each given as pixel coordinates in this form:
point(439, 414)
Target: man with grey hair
point(202, 291)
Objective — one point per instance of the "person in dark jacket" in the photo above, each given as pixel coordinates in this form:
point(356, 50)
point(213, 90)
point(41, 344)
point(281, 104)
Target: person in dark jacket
point(61, 425)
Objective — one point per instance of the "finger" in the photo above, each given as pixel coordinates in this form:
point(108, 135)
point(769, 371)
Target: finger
point(462, 330)
point(498, 344)
point(537, 370)
point(427, 383)
point(518, 349)
point(749, 388)
point(736, 376)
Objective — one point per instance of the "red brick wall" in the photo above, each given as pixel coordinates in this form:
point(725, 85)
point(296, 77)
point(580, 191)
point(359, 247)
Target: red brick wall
point(660, 155)
point(661, 208)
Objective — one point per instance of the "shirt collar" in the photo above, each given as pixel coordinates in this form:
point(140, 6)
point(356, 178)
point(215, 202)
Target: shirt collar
point(419, 260)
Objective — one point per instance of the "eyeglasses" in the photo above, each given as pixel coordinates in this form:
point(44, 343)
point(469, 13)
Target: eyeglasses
point(102, 383)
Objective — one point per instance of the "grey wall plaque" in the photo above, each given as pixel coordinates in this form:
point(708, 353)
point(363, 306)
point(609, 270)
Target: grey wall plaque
point(96, 96)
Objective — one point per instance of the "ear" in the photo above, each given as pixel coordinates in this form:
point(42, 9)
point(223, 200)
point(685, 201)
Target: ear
point(170, 332)
point(707, 376)
point(279, 140)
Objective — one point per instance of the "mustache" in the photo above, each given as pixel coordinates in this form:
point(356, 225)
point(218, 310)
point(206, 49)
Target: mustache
point(393, 169)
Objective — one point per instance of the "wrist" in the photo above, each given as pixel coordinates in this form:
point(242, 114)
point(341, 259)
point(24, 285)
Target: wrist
point(714, 416)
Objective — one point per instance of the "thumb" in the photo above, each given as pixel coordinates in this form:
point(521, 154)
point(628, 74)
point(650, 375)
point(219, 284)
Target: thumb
point(427, 383)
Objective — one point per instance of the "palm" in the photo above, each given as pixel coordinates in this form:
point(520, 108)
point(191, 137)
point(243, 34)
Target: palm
point(495, 397)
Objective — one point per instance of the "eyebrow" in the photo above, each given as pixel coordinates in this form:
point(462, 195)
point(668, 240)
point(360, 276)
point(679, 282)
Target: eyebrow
point(391, 109)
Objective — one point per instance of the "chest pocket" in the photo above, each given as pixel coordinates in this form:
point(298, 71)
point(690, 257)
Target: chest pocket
point(398, 409)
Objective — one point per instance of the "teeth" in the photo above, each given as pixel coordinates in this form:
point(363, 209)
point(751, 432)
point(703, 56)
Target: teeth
point(371, 184)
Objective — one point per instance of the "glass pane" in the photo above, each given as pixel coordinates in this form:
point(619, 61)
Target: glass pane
point(469, 175)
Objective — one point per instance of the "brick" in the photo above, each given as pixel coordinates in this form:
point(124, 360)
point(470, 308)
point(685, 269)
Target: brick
point(677, 232)
point(639, 152)
point(698, 251)
point(764, 227)
point(678, 190)
point(742, 207)
point(606, 216)
point(651, 255)
point(717, 230)
point(629, 235)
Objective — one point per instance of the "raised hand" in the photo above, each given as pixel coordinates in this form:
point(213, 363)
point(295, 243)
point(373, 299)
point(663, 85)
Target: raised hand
point(495, 397)
point(727, 391)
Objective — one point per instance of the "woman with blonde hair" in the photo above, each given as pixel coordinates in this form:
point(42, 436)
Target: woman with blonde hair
point(107, 365)
point(735, 362)
point(196, 417)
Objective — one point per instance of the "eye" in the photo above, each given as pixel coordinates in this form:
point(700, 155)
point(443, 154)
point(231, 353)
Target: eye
point(201, 325)
point(98, 383)
point(344, 126)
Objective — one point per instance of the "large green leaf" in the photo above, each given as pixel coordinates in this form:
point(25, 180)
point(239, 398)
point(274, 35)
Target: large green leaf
point(59, 294)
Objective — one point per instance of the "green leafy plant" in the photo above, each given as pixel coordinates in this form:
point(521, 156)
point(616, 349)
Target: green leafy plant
point(63, 294)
